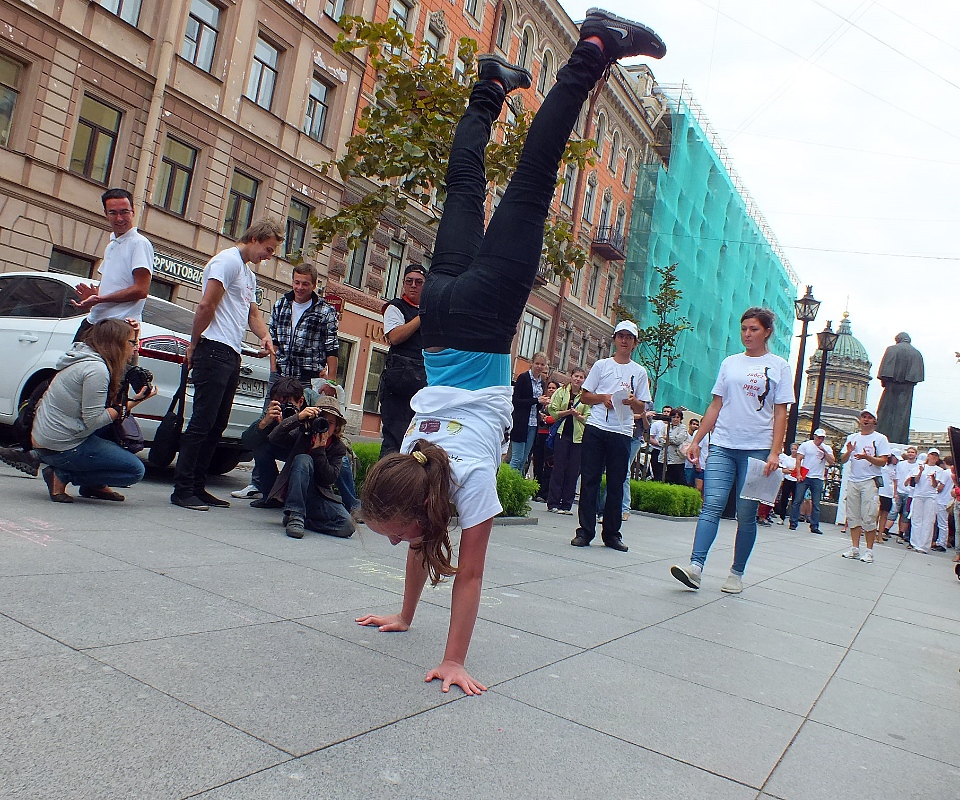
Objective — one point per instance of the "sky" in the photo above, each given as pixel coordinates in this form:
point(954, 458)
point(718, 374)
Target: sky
point(842, 118)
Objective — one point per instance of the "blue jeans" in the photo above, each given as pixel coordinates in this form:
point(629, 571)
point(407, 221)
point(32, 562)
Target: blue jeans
point(479, 282)
point(265, 473)
point(726, 466)
point(319, 513)
point(602, 451)
point(94, 463)
point(520, 450)
point(815, 485)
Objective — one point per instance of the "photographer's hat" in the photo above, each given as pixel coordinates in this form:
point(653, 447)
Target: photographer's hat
point(331, 406)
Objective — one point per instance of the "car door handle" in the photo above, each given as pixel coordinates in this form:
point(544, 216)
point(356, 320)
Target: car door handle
point(245, 370)
point(28, 337)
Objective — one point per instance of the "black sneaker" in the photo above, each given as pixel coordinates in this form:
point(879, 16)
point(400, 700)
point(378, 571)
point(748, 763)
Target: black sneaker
point(939, 548)
point(492, 67)
point(23, 460)
point(295, 529)
point(188, 501)
point(621, 38)
point(266, 502)
point(214, 502)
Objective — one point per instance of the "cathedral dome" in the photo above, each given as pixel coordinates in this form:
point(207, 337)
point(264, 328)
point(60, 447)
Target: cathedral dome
point(849, 351)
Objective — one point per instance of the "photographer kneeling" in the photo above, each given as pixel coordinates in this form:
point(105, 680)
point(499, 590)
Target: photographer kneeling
point(288, 399)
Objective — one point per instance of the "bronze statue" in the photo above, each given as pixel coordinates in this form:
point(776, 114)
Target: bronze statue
point(900, 370)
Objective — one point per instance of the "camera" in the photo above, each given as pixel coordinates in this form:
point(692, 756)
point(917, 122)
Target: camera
point(137, 378)
point(316, 426)
point(288, 410)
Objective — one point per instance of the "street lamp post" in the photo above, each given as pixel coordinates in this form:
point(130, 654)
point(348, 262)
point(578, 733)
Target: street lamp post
point(826, 341)
point(806, 309)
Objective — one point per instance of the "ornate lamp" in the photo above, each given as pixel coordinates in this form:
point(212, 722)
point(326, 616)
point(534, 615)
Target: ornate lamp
point(806, 309)
point(826, 341)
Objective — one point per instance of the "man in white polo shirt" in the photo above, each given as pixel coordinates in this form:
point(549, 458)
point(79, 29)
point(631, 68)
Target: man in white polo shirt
point(616, 388)
point(228, 305)
point(866, 452)
point(126, 269)
point(813, 455)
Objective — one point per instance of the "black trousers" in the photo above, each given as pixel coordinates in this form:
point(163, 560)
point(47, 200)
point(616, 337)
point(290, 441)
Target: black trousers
point(216, 374)
point(602, 451)
point(479, 282)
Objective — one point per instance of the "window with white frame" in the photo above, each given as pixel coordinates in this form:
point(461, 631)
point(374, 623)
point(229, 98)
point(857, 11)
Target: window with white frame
point(577, 281)
point(240, 204)
point(589, 197)
point(371, 391)
point(621, 218)
point(298, 221)
point(627, 169)
point(472, 8)
point(605, 208)
point(593, 285)
point(546, 71)
point(175, 176)
point(127, 10)
point(200, 37)
point(526, 49)
point(532, 329)
point(263, 73)
point(391, 283)
point(334, 9)
point(430, 49)
point(318, 106)
point(459, 70)
point(614, 153)
point(600, 133)
point(96, 140)
point(608, 299)
point(356, 263)
point(344, 355)
point(503, 28)
point(569, 185)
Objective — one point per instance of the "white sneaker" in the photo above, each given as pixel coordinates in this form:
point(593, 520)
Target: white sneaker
point(250, 492)
point(625, 516)
point(688, 576)
point(853, 552)
point(565, 511)
point(867, 557)
point(733, 584)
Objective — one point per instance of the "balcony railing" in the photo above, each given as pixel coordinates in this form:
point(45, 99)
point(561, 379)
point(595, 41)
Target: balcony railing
point(609, 243)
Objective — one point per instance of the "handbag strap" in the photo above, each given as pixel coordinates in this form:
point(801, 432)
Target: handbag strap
point(180, 398)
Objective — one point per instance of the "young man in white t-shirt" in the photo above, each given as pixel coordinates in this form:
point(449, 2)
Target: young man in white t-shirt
point(944, 499)
point(904, 493)
point(813, 455)
point(228, 306)
point(867, 453)
point(616, 388)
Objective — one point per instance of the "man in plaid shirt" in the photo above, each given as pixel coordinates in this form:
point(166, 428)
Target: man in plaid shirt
point(304, 331)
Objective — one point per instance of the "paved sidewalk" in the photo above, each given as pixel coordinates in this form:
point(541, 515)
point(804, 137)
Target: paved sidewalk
point(152, 652)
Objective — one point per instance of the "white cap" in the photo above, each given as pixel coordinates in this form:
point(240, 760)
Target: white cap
point(933, 450)
point(868, 411)
point(896, 454)
point(819, 432)
point(629, 326)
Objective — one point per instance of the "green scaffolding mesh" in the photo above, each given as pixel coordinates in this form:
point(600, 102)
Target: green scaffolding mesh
point(696, 213)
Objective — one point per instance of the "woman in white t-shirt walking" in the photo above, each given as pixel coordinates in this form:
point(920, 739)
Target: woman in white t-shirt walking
point(748, 419)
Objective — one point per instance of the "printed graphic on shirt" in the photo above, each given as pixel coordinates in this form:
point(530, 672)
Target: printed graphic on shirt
point(756, 380)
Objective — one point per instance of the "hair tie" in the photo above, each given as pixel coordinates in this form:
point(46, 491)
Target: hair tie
point(421, 457)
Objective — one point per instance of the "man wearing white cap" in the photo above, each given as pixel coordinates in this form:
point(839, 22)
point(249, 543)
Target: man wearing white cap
point(888, 472)
point(866, 453)
point(813, 455)
point(926, 482)
point(616, 388)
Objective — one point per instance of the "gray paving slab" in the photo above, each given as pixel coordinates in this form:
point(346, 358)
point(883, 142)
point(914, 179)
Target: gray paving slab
point(98, 608)
point(32, 551)
point(72, 727)
point(928, 683)
point(289, 685)
point(927, 727)
point(483, 750)
point(826, 762)
point(19, 641)
point(921, 648)
point(717, 731)
point(767, 681)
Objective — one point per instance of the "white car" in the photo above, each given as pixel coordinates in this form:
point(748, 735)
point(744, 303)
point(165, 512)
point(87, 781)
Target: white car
point(37, 326)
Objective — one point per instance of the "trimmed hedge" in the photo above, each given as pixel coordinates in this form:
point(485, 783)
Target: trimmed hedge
point(665, 498)
point(367, 455)
point(515, 491)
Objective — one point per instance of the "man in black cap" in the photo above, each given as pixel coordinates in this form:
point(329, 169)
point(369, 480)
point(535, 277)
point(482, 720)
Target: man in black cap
point(404, 374)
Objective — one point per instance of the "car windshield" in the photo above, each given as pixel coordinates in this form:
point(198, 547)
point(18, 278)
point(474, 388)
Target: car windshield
point(167, 315)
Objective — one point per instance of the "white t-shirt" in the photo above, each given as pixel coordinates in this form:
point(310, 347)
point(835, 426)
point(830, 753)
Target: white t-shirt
point(871, 444)
point(904, 470)
point(473, 427)
point(606, 377)
point(122, 256)
point(889, 473)
point(296, 311)
point(946, 478)
point(790, 463)
point(658, 429)
point(240, 292)
point(750, 388)
point(924, 485)
point(814, 458)
point(392, 318)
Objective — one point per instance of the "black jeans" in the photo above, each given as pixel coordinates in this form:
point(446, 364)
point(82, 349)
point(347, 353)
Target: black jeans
point(566, 470)
point(478, 284)
point(216, 373)
point(602, 451)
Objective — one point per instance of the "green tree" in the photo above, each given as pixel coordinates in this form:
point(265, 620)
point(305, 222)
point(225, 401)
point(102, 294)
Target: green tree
point(658, 341)
point(399, 153)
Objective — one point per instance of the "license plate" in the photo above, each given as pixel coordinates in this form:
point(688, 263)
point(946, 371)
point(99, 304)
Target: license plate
point(249, 387)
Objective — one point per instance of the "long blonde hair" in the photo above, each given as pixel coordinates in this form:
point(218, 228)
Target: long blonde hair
point(109, 338)
point(415, 487)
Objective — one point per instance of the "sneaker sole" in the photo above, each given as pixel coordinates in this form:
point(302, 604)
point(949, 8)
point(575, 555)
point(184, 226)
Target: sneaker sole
point(682, 576)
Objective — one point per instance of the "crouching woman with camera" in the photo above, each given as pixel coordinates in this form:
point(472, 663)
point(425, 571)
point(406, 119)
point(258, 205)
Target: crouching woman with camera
point(306, 484)
point(85, 396)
